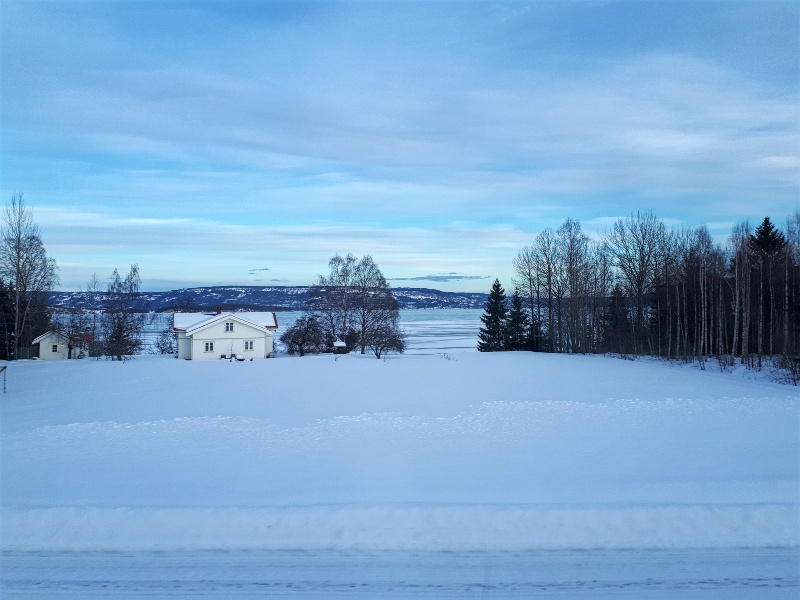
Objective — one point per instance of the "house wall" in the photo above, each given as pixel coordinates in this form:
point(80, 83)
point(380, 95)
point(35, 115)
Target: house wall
point(184, 346)
point(226, 342)
point(46, 348)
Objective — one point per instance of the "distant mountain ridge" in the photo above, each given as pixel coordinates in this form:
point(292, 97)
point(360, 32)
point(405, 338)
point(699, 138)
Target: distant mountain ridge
point(275, 298)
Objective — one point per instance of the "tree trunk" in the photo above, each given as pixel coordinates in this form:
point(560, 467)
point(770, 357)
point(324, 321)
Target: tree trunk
point(746, 309)
point(736, 302)
point(787, 255)
point(761, 314)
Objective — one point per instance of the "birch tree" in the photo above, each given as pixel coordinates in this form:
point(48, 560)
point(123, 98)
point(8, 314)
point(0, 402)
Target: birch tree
point(25, 265)
point(634, 244)
point(355, 304)
point(123, 318)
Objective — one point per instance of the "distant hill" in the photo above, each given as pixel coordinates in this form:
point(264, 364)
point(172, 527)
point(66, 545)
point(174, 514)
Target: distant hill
point(275, 298)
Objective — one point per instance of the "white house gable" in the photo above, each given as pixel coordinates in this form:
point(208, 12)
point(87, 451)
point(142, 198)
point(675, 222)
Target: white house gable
point(205, 337)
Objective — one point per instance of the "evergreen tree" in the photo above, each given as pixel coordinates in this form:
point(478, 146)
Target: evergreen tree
point(517, 325)
point(491, 337)
point(767, 245)
point(6, 320)
point(768, 238)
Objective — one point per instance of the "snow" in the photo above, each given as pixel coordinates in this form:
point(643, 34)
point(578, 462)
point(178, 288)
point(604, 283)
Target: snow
point(534, 450)
point(189, 321)
point(682, 574)
point(461, 453)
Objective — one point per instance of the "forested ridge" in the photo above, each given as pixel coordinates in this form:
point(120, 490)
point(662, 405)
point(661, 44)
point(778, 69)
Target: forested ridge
point(645, 289)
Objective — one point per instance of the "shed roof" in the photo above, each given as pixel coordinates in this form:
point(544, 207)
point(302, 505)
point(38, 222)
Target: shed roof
point(47, 334)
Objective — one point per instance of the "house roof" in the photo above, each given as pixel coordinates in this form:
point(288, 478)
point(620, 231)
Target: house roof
point(191, 322)
point(47, 334)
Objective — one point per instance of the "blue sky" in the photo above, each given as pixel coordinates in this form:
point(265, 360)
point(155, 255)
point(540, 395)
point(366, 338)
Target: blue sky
point(247, 142)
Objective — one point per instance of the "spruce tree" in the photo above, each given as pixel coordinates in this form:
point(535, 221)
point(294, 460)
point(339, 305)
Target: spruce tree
point(768, 238)
point(517, 325)
point(491, 337)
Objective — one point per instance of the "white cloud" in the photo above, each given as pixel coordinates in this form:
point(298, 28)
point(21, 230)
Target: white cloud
point(183, 250)
point(369, 131)
point(789, 163)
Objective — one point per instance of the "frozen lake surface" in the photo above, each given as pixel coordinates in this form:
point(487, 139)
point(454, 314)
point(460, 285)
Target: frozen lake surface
point(708, 574)
point(431, 331)
point(428, 331)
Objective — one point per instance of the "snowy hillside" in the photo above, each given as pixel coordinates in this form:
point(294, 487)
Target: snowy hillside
point(262, 298)
point(471, 451)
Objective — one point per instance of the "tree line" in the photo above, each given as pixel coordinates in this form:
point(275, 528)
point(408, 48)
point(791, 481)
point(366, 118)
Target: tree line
point(28, 274)
point(643, 288)
point(640, 289)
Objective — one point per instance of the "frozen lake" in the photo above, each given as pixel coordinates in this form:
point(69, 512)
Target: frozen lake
point(434, 331)
point(708, 574)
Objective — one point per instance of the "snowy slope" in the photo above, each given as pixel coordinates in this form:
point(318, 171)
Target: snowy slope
point(503, 451)
point(263, 298)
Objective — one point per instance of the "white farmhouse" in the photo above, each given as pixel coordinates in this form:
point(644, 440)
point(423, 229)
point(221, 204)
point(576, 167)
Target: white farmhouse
point(52, 345)
point(244, 335)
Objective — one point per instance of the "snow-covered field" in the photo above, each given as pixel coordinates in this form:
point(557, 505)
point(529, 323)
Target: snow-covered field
point(442, 475)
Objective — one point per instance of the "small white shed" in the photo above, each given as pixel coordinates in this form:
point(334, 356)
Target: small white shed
point(225, 334)
point(52, 345)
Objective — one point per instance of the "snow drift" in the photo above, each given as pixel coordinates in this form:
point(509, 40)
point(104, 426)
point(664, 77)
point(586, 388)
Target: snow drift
point(501, 451)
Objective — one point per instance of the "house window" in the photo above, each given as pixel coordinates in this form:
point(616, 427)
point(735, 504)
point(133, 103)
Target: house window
point(209, 346)
point(248, 344)
point(55, 347)
point(229, 326)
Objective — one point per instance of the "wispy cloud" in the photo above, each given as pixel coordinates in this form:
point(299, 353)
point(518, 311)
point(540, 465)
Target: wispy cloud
point(441, 278)
point(382, 129)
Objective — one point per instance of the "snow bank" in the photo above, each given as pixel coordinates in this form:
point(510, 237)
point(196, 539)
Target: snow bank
point(496, 451)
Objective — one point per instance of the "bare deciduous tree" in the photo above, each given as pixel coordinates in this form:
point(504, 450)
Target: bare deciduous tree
point(331, 301)
point(354, 304)
point(634, 245)
point(166, 342)
point(123, 316)
point(26, 266)
point(546, 269)
point(305, 336)
point(528, 285)
point(573, 250)
point(386, 339)
point(376, 310)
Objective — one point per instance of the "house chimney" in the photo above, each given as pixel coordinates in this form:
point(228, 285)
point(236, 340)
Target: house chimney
point(219, 310)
